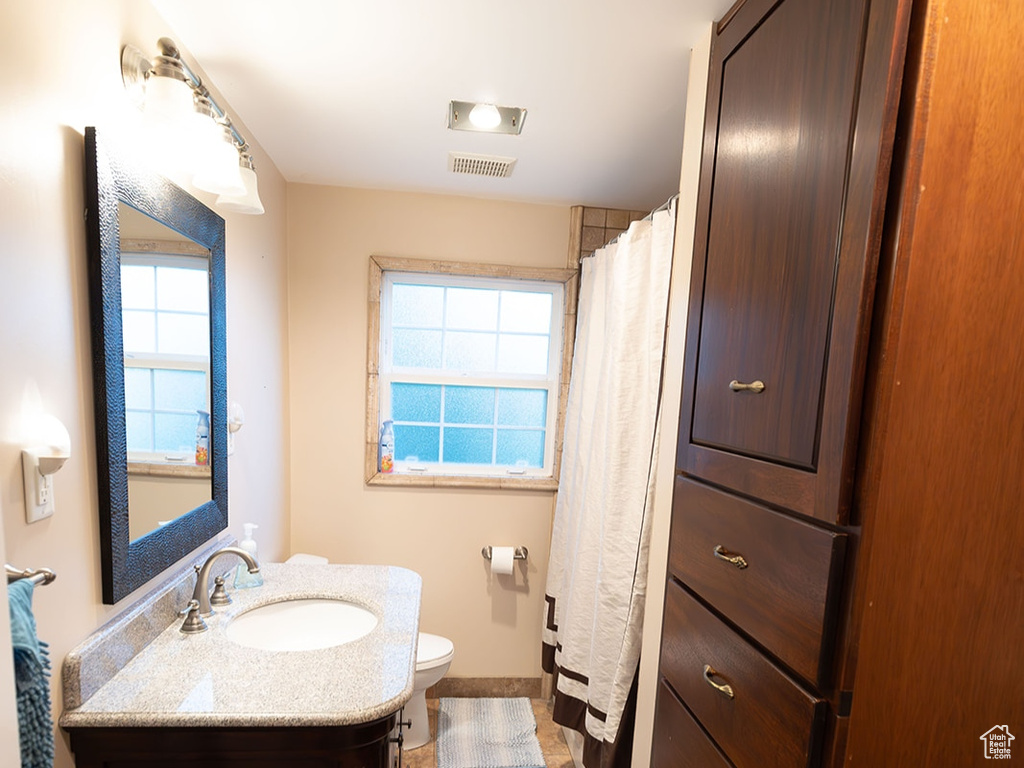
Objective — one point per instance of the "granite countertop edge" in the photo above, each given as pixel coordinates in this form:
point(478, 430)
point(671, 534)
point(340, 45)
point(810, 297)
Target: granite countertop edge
point(205, 680)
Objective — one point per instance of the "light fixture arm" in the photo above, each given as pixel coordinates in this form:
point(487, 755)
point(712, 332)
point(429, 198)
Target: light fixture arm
point(170, 49)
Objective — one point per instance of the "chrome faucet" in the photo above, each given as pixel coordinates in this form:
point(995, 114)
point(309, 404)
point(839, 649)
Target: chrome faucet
point(201, 594)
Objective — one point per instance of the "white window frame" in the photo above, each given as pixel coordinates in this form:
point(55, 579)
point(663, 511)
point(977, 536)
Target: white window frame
point(561, 283)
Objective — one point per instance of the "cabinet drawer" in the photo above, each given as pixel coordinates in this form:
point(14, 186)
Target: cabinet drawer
point(784, 597)
point(769, 721)
point(678, 741)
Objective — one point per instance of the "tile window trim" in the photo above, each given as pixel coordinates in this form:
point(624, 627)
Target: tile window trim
point(378, 265)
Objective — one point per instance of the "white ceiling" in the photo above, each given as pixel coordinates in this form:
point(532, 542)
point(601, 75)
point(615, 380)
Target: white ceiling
point(355, 92)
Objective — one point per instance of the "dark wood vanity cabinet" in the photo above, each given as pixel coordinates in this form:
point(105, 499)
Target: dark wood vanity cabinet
point(367, 745)
point(803, 97)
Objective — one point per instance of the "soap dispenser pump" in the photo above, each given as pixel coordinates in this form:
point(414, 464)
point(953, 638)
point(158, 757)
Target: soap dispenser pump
point(243, 578)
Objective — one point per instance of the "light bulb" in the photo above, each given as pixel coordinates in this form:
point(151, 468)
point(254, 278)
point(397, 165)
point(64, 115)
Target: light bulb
point(485, 116)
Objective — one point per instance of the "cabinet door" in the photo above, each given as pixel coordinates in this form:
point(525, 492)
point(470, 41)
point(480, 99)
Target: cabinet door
point(796, 151)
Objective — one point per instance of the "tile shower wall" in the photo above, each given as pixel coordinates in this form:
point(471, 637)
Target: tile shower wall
point(591, 228)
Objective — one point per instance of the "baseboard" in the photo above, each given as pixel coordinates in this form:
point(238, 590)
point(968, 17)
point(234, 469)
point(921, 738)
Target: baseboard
point(485, 687)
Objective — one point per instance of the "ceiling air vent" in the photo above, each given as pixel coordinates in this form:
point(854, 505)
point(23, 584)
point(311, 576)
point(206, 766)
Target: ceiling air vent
point(480, 165)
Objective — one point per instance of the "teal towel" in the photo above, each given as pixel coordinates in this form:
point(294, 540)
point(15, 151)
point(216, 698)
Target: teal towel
point(31, 679)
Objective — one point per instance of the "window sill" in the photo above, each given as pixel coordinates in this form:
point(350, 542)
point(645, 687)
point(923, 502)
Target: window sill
point(420, 480)
point(157, 469)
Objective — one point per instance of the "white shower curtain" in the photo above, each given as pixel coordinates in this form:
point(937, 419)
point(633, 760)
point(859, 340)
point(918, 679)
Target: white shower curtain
point(597, 573)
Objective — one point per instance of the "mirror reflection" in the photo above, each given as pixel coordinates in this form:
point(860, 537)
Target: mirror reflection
point(165, 306)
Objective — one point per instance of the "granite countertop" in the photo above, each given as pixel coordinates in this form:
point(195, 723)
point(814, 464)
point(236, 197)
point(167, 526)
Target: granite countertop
point(207, 680)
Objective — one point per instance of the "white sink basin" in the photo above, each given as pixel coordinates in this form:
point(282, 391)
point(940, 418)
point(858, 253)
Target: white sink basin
point(301, 625)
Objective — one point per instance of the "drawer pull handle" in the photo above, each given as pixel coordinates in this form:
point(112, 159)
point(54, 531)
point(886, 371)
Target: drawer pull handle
point(723, 554)
point(725, 690)
point(757, 387)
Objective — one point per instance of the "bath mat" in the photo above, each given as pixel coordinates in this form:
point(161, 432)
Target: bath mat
point(487, 733)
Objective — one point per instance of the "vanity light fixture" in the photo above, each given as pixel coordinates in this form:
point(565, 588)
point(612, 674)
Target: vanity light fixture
point(249, 201)
point(50, 448)
point(485, 118)
point(176, 103)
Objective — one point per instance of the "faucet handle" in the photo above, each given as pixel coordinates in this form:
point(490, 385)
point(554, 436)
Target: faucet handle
point(220, 595)
point(193, 621)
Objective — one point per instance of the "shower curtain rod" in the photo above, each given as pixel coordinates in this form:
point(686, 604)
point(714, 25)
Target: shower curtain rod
point(663, 207)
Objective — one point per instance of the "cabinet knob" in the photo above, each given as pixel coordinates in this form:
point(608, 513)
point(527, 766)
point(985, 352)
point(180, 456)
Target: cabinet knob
point(725, 690)
point(723, 554)
point(757, 387)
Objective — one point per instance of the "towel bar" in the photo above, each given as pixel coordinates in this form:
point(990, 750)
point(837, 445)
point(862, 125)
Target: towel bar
point(37, 576)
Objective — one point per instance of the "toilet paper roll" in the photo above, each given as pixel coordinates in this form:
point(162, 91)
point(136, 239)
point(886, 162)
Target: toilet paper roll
point(502, 559)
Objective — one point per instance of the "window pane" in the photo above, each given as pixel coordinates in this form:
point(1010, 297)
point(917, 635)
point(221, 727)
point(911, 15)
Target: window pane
point(473, 309)
point(421, 306)
point(520, 447)
point(416, 349)
point(523, 407)
point(138, 287)
point(183, 290)
point(469, 351)
point(183, 334)
point(138, 331)
point(139, 427)
point(137, 389)
point(421, 442)
point(179, 391)
point(523, 312)
point(468, 405)
point(175, 432)
point(523, 354)
point(468, 446)
point(415, 402)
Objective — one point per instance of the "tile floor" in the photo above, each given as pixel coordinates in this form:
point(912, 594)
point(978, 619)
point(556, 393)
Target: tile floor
point(552, 743)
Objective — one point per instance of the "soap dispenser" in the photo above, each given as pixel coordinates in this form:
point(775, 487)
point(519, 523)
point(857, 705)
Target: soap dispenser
point(243, 578)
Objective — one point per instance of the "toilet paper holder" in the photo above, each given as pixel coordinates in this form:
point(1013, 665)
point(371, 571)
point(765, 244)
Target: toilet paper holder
point(521, 553)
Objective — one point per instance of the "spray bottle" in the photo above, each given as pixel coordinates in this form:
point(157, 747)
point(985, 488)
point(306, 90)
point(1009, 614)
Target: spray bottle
point(243, 578)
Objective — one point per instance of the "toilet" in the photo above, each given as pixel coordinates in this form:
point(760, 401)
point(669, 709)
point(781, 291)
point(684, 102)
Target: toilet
point(434, 655)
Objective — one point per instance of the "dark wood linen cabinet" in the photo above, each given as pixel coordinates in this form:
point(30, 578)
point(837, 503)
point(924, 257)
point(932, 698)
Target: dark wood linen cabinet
point(801, 114)
point(845, 579)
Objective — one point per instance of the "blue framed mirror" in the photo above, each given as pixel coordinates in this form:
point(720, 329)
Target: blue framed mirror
point(159, 368)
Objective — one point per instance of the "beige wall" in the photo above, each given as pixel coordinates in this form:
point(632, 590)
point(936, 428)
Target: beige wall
point(494, 624)
point(60, 72)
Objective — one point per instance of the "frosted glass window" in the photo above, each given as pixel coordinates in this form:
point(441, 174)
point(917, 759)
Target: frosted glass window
point(520, 447)
point(183, 334)
point(138, 332)
point(419, 306)
point(416, 349)
point(138, 389)
point(175, 432)
point(472, 309)
point(523, 407)
point(416, 402)
point(470, 351)
point(469, 405)
point(138, 287)
point(414, 443)
point(523, 312)
point(183, 290)
point(179, 390)
point(139, 427)
point(464, 445)
point(469, 368)
point(523, 354)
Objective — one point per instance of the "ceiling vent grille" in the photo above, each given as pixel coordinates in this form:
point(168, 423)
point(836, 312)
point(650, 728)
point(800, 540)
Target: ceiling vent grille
point(481, 165)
